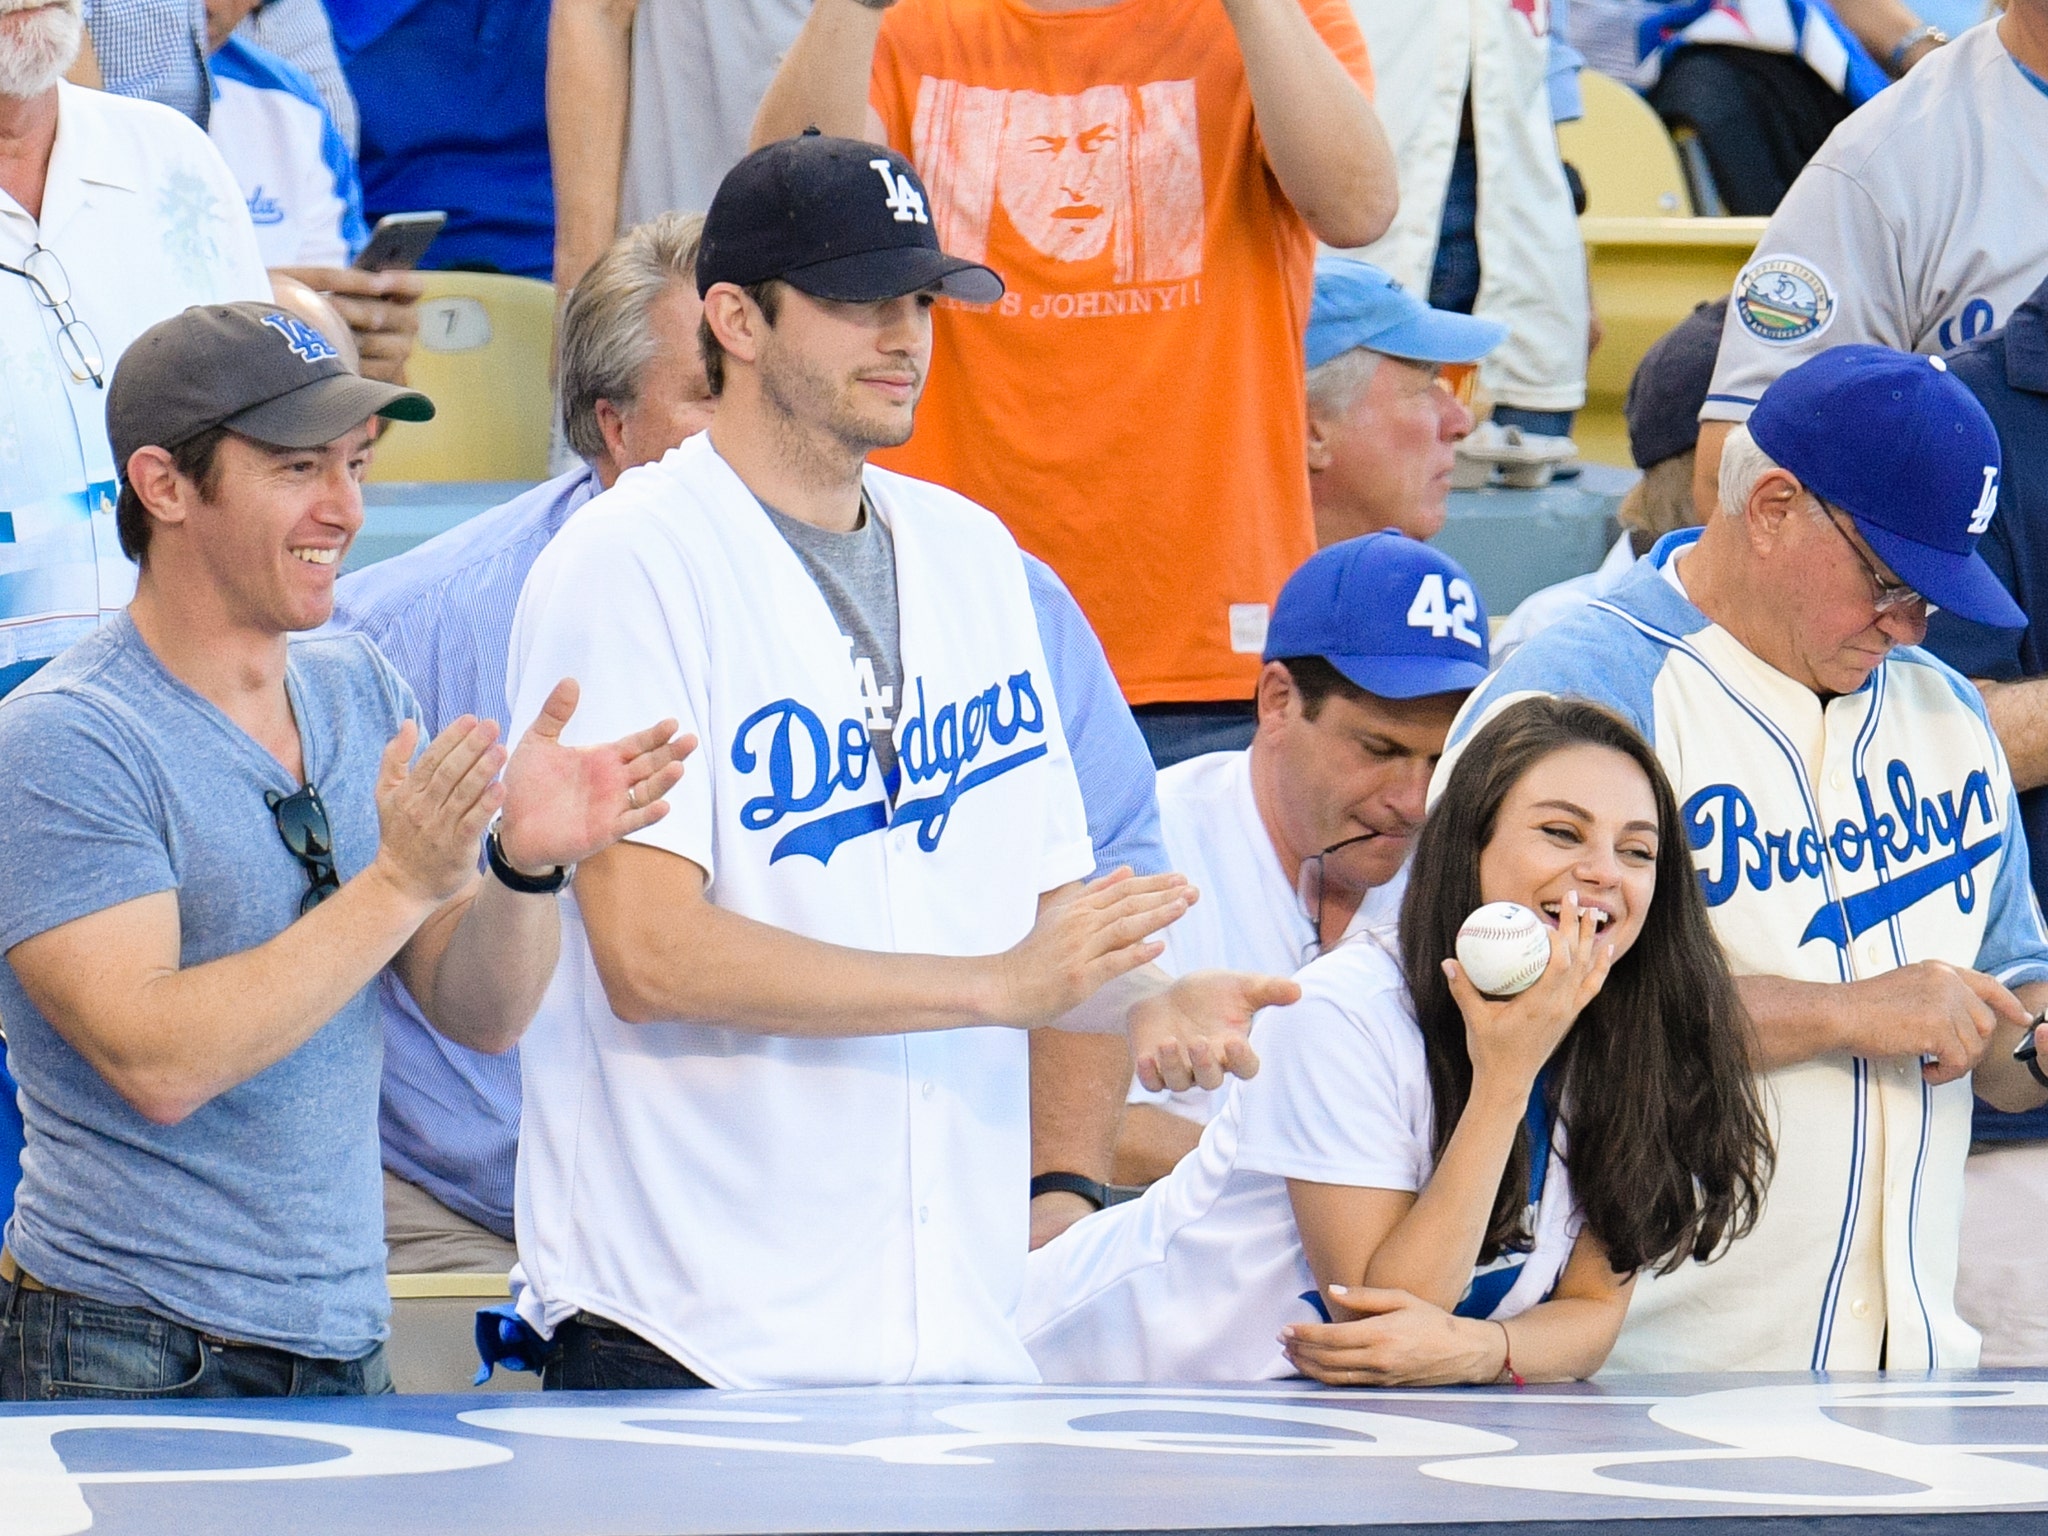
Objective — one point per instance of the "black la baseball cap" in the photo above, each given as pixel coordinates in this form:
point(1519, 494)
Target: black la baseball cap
point(257, 369)
point(836, 218)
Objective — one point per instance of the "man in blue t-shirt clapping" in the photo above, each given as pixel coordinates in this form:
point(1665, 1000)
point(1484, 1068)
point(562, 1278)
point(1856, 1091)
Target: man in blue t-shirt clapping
point(212, 841)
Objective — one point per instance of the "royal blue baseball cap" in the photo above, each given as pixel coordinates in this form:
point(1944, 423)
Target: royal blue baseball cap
point(1398, 618)
point(1897, 442)
point(1358, 305)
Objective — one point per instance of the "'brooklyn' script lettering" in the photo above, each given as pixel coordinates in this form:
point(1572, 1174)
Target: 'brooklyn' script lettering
point(1721, 821)
point(806, 764)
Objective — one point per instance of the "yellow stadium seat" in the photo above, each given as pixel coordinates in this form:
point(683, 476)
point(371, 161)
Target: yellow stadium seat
point(1647, 275)
point(1623, 154)
point(482, 358)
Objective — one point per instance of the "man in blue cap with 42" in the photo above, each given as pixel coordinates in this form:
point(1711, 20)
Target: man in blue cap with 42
point(1389, 396)
point(1856, 833)
point(1302, 837)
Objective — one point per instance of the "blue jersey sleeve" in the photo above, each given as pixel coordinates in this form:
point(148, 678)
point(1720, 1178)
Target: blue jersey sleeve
point(1599, 653)
point(1119, 787)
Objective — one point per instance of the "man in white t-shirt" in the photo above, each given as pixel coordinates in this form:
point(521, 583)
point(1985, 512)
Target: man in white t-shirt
point(776, 1126)
point(1917, 226)
point(1302, 838)
point(114, 214)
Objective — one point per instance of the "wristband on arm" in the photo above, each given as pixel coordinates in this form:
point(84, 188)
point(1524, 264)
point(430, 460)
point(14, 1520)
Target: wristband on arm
point(525, 885)
point(1093, 1191)
point(2026, 1053)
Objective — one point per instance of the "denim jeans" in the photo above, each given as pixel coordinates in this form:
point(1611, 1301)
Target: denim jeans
point(55, 1346)
point(593, 1355)
point(1454, 280)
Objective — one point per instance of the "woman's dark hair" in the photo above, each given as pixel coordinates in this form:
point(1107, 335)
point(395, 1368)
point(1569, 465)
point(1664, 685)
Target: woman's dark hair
point(1664, 1133)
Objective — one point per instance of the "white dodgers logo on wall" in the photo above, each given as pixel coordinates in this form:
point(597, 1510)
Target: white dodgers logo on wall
point(1783, 300)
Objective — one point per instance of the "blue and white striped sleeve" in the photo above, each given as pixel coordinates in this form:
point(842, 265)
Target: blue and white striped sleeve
point(1119, 789)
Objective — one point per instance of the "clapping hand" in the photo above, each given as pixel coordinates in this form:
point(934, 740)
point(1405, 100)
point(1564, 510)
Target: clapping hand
point(563, 803)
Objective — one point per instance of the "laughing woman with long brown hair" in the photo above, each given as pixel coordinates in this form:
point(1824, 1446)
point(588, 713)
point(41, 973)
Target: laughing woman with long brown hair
point(1468, 1185)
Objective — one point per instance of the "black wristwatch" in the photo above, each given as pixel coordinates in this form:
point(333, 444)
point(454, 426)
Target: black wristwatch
point(2025, 1052)
point(512, 879)
point(1093, 1191)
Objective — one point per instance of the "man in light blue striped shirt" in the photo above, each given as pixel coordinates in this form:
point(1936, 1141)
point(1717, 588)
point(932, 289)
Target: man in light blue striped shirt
point(633, 386)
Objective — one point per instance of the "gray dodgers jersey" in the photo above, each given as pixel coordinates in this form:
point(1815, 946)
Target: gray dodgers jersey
point(1921, 224)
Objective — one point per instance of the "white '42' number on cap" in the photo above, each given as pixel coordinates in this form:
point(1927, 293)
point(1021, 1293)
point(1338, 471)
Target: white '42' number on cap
point(1445, 611)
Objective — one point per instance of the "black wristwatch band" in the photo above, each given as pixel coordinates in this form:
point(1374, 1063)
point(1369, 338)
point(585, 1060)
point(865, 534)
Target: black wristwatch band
point(525, 885)
point(2027, 1054)
point(1091, 1190)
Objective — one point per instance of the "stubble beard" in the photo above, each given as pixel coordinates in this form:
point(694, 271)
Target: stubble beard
point(36, 50)
point(821, 430)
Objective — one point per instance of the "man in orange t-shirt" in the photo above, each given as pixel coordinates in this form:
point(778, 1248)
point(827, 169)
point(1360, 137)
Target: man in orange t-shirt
point(1150, 177)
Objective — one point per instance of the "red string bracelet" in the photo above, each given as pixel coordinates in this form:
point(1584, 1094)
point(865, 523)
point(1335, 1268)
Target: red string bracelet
point(1507, 1354)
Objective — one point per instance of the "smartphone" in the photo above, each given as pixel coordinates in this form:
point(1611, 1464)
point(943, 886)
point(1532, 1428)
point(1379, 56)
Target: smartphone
point(400, 240)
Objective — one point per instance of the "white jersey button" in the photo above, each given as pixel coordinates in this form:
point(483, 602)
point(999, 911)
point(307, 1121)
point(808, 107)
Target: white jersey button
point(924, 1214)
point(930, 1087)
point(1861, 1307)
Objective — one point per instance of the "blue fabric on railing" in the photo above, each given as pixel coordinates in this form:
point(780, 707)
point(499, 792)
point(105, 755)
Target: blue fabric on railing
point(11, 1140)
point(504, 1338)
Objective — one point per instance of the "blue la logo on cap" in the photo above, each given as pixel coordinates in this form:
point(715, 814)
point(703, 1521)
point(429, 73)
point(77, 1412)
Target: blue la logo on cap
point(308, 343)
point(1399, 619)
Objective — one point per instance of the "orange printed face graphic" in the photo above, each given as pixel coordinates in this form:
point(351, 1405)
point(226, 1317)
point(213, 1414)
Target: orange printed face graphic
point(1062, 174)
point(1111, 171)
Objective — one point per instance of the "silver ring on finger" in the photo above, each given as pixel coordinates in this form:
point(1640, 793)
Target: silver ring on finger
point(633, 796)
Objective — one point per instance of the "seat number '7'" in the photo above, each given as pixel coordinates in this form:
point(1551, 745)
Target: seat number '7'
point(1445, 611)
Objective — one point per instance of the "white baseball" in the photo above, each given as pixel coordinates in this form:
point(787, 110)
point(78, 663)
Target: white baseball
point(1503, 948)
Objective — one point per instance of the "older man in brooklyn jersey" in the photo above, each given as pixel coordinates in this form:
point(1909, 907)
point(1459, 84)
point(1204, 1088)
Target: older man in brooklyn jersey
point(1858, 838)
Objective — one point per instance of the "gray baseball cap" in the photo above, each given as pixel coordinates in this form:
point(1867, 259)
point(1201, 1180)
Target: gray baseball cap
point(257, 369)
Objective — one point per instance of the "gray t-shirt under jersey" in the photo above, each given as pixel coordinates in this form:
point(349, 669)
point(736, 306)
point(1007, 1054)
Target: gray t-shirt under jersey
point(856, 573)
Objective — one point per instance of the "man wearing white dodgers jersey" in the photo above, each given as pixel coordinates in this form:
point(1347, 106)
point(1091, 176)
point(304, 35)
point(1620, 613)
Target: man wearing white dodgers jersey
point(1859, 842)
point(1917, 226)
point(776, 1127)
point(1302, 838)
